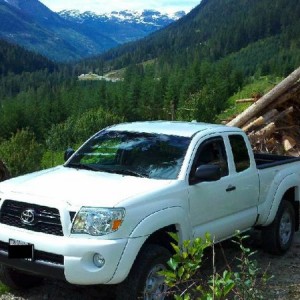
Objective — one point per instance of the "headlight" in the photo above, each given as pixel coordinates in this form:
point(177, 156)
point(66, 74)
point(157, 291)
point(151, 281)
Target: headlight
point(98, 221)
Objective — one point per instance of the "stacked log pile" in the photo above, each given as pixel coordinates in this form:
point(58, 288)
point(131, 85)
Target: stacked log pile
point(273, 121)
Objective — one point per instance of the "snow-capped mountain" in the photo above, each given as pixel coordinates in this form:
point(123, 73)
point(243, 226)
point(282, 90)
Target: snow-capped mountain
point(70, 35)
point(122, 26)
point(150, 17)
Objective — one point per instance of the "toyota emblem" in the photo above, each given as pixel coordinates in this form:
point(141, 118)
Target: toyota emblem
point(27, 216)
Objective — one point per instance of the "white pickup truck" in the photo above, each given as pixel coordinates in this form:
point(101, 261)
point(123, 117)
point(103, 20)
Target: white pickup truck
point(104, 216)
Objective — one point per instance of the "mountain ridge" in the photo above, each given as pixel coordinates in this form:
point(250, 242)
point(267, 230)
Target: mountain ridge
point(213, 30)
point(32, 25)
point(146, 16)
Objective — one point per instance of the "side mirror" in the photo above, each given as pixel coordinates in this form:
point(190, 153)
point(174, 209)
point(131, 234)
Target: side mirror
point(208, 173)
point(68, 153)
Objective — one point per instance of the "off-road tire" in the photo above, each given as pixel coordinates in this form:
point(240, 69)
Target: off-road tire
point(151, 257)
point(278, 236)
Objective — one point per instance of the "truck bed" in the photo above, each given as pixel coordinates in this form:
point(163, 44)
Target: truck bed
point(266, 160)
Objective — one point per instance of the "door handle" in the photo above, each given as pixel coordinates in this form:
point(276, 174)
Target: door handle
point(230, 188)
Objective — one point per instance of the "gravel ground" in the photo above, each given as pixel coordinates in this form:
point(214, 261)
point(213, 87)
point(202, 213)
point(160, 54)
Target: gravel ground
point(285, 283)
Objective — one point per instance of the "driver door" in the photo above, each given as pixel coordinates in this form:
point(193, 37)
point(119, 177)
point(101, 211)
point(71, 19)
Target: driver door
point(217, 206)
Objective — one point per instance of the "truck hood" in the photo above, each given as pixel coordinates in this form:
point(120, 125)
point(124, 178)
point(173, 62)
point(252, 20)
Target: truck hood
point(61, 186)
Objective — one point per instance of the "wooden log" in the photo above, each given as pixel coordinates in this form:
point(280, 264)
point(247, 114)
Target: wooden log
point(288, 143)
point(292, 93)
point(266, 100)
point(248, 100)
point(261, 120)
point(283, 114)
point(264, 132)
point(294, 152)
point(254, 124)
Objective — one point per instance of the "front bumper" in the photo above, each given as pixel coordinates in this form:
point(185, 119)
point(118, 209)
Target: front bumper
point(67, 258)
point(38, 267)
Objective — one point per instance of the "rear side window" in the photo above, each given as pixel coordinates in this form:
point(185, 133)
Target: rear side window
point(240, 152)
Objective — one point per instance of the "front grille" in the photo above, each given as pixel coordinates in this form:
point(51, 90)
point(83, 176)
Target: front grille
point(39, 255)
point(46, 219)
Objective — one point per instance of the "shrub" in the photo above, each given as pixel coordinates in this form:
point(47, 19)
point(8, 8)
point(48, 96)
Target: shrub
point(182, 277)
point(3, 289)
point(75, 130)
point(21, 153)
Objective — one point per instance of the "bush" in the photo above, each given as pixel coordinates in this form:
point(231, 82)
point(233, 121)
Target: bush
point(3, 289)
point(182, 277)
point(21, 153)
point(75, 130)
point(52, 159)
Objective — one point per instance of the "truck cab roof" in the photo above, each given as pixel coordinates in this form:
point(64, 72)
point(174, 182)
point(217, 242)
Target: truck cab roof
point(186, 129)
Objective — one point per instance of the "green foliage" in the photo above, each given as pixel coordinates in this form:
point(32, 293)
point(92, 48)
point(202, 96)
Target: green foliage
point(186, 260)
point(75, 130)
point(183, 274)
point(15, 59)
point(51, 159)
point(215, 29)
point(255, 87)
point(246, 279)
point(21, 153)
point(3, 289)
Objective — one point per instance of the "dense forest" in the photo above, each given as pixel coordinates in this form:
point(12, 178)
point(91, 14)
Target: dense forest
point(187, 71)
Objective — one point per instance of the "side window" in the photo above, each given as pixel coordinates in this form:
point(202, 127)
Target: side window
point(240, 152)
point(213, 152)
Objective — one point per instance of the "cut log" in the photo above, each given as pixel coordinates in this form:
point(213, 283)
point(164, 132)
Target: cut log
point(283, 114)
point(254, 124)
point(266, 100)
point(288, 143)
point(264, 132)
point(292, 93)
point(248, 100)
point(261, 120)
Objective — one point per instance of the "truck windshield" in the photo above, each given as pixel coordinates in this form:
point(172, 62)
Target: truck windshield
point(156, 156)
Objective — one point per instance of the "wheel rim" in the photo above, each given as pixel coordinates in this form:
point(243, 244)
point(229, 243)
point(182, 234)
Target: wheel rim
point(285, 228)
point(155, 287)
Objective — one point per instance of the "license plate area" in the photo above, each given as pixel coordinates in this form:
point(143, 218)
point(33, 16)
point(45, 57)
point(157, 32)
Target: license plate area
point(20, 249)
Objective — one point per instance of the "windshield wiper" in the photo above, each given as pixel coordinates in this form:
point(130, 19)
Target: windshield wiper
point(130, 172)
point(82, 166)
point(99, 169)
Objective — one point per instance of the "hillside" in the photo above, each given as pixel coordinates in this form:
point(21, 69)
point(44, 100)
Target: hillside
point(68, 36)
point(35, 27)
point(15, 59)
point(216, 29)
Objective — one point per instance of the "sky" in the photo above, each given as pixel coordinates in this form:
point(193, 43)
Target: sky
point(105, 6)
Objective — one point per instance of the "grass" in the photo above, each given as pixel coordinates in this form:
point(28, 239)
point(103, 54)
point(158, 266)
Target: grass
point(3, 289)
point(256, 88)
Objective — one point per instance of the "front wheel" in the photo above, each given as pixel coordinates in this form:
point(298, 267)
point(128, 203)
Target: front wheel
point(18, 280)
point(278, 236)
point(144, 281)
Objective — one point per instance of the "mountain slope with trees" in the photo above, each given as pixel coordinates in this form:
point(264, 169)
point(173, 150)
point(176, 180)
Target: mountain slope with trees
point(16, 60)
point(215, 29)
point(34, 26)
point(63, 37)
